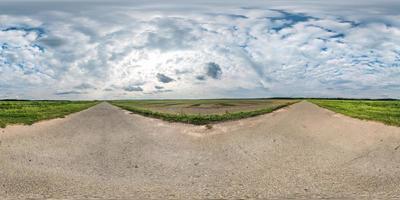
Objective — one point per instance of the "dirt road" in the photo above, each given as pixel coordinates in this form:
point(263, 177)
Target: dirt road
point(301, 151)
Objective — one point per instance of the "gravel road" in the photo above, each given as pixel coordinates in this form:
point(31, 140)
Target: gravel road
point(300, 152)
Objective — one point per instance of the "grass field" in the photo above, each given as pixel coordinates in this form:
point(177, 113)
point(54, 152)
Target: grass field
point(196, 111)
point(202, 111)
point(29, 112)
point(387, 112)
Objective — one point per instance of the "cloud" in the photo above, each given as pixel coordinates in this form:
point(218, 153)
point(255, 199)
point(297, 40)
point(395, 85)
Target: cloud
point(85, 86)
point(329, 48)
point(214, 70)
point(52, 42)
point(200, 77)
point(287, 19)
point(163, 78)
point(133, 88)
point(69, 93)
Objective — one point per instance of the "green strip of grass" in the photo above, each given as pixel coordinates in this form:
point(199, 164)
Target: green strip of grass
point(197, 119)
point(29, 112)
point(387, 112)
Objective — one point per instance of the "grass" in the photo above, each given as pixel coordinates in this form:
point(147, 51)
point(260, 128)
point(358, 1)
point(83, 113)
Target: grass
point(29, 112)
point(201, 112)
point(387, 112)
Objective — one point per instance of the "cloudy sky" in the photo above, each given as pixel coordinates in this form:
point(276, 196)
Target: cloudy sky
point(199, 49)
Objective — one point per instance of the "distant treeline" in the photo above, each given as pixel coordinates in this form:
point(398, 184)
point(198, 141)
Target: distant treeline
point(305, 98)
point(46, 100)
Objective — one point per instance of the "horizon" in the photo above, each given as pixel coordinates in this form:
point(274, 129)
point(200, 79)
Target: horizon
point(142, 50)
point(189, 99)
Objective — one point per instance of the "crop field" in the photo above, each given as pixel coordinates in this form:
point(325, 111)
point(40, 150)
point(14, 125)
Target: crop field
point(203, 111)
point(28, 112)
point(387, 112)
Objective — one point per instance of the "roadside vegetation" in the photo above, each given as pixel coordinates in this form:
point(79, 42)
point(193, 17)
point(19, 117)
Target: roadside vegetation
point(387, 112)
point(201, 112)
point(29, 112)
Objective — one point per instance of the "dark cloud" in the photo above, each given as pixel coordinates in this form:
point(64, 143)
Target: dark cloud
point(85, 86)
point(237, 16)
point(288, 19)
point(159, 91)
point(179, 72)
point(339, 35)
point(214, 70)
point(233, 16)
point(52, 42)
point(69, 93)
point(163, 78)
point(112, 88)
point(133, 88)
point(200, 77)
point(163, 91)
point(38, 30)
point(158, 87)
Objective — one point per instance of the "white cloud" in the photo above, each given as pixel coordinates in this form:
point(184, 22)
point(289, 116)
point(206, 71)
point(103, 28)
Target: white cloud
point(125, 51)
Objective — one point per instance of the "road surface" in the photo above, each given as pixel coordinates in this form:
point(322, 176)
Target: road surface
point(301, 151)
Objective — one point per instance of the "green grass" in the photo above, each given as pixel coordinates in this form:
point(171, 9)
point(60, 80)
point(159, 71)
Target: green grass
point(387, 112)
point(29, 112)
point(202, 112)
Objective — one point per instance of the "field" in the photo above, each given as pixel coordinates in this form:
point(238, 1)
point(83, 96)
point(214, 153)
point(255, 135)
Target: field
point(198, 112)
point(202, 111)
point(387, 112)
point(29, 112)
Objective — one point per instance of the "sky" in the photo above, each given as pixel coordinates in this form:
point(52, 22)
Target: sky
point(199, 49)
